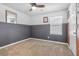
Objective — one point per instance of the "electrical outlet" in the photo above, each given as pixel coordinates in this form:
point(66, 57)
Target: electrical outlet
point(48, 37)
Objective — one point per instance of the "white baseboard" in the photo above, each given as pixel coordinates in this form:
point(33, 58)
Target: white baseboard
point(48, 40)
point(13, 43)
point(33, 39)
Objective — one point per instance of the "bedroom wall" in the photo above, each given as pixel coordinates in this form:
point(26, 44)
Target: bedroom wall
point(38, 19)
point(38, 26)
point(22, 18)
point(40, 31)
point(29, 26)
point(10, 33)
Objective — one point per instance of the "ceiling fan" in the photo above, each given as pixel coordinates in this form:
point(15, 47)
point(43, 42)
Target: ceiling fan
point(34, 6)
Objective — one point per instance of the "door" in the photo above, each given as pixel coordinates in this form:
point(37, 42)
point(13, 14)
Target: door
point(78, 34)
point(72, 27)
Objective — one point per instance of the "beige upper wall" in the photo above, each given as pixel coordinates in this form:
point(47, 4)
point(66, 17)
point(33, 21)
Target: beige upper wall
point(38, 19)
point(21, 17)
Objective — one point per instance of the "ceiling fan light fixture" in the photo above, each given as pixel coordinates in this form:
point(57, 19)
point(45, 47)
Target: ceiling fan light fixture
point(33, 7)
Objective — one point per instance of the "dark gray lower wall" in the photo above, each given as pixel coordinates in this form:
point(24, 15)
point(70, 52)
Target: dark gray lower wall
point(10, 33)
point(43, 31)
point(40, 31)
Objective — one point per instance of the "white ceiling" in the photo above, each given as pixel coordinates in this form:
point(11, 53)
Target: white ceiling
point(49, 7)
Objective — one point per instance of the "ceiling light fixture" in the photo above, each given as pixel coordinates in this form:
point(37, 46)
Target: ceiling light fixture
point(33, 7)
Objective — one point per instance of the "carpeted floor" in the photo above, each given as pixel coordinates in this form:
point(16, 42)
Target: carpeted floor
point(36, 47)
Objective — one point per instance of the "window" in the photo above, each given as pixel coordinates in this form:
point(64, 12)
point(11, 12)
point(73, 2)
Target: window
point(56, 25)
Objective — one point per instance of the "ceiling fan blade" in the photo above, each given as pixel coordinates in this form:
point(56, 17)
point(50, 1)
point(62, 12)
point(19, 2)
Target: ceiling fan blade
point(40, 6)
point(33, 4)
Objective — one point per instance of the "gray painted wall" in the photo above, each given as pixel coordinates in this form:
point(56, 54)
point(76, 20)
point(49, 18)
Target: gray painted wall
point(43, 31)
point(10, 33)
point(40, 31)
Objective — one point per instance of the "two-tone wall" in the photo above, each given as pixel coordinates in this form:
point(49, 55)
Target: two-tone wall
point(29, 26)
point(42, 30)
point(10, 33)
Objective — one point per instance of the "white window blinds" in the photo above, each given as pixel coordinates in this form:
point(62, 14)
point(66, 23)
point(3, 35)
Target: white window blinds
point(56, 25)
